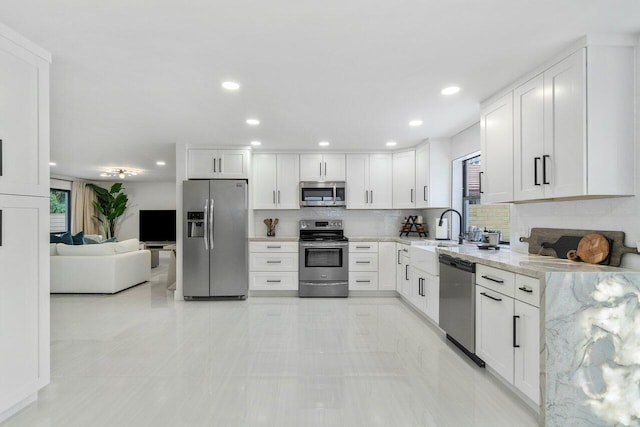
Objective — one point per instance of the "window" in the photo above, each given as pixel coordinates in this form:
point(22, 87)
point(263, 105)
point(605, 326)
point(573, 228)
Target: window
point(486, 217)
point(60, 210)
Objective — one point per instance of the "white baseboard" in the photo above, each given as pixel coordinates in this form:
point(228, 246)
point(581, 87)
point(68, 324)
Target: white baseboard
point(18, 407)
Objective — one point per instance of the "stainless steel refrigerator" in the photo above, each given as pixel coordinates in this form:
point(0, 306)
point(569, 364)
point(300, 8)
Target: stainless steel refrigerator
point(215, 255)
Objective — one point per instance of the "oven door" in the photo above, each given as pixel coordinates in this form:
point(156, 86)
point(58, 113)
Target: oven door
point(324, 261)
point(322, 194)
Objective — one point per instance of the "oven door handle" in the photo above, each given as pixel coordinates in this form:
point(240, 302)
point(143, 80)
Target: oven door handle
point(321, 245)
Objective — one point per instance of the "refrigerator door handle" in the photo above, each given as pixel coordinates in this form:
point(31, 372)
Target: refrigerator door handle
point(206, 224)
point(211, 224)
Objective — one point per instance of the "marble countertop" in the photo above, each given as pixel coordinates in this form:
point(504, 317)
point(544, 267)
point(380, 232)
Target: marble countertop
point(526, 264)
point(273, 239)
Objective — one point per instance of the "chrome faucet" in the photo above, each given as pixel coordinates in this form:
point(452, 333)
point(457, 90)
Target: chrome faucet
point(461, 236)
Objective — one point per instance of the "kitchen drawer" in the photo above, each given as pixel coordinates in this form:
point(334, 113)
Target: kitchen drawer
point(363, 281)
point(273, 262)
point(363, 262)
point(274, 246)
point(496, 279)
point(363, 246)
point(279, 281)
point(527, 290)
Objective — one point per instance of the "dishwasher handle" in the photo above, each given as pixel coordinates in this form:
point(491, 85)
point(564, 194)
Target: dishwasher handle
point(457, 263)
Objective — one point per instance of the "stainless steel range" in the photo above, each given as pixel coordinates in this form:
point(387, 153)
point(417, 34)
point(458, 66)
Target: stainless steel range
point(324, 259)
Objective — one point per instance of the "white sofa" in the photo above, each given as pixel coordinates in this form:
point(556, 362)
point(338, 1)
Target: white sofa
point(104, 268)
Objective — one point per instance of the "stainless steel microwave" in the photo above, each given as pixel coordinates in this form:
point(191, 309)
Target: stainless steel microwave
point(313, 193)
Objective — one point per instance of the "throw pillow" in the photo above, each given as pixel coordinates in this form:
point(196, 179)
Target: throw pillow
point(78, 239)
point(61, 238)
point(90, 241)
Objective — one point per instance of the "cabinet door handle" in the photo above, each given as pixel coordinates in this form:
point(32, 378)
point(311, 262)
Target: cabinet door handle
point(274, 247)
point(278, 196)
point(274, 262)
point(406, 272)
point(480, 182)
point(424, 193)
point(366, 197)
point(489, 296)
point(0, 227)
point(274, 197)
point(544, 168)
point(412, 195)
point(492, 279)
point(371, 197)
point(220, 165)
point(535, 170)
point(274, 281)
point(422, 287)
point(363, 281)
point(325, 169)
point(0, 157)
point(214, 165)
point(525, 289)
point(320, 169)
point(399, 252)
point(514, 332)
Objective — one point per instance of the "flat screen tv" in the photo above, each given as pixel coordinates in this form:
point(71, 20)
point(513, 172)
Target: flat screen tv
point(157, 225)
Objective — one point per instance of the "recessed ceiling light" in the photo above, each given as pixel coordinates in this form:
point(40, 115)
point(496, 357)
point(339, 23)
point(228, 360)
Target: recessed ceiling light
point(415, 123)
point(253, 122)
point(52, 163)
point(230, 85)
point(256, 143)
point(323, 143)
point(160, 163)
point(104, 174)
point(450, 90)
point(391, 144)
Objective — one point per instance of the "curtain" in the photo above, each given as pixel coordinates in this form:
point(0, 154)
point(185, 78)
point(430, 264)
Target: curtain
point(84, 212)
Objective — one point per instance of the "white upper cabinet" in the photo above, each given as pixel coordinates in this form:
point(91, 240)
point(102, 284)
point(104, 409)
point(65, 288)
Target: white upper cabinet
point(275, 181)
point(369, 179)
point(404, 179)
point(24, 121)
point(218, 164)
point(528, 146)
point(496, 144)
point(433, 174)
point(322, 167)
point(573, 131)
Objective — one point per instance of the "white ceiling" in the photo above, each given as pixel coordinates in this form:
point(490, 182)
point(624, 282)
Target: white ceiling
point(132, 77)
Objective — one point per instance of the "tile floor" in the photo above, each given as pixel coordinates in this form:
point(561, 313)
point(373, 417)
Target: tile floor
point(140, 359)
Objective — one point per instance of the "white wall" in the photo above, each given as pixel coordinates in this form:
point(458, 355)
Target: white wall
point(466, 142)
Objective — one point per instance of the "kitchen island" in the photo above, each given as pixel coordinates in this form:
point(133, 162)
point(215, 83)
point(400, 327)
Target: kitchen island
point(589, 328)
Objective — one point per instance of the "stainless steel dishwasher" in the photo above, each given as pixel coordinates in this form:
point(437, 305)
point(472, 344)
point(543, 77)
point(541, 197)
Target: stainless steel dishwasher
point(458, 304)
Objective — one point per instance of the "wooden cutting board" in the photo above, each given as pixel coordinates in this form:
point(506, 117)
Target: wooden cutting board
point(594, 248)
point(563, 245)
point(539, 236)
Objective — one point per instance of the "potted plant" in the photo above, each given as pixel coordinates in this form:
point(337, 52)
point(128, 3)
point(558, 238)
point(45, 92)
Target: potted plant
point(111, 205)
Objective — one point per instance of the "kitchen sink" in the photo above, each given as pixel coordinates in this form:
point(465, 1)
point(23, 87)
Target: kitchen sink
point(435, 243)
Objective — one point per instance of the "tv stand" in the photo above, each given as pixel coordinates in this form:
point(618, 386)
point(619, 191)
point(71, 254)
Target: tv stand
point(155, 248)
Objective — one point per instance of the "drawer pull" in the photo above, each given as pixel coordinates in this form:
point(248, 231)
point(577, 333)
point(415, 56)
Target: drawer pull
point(363, 262)
point(274, 247)
point(363, 281)
point(489, 296)
point(274, 281)
point(274, 262)
point(363, 247)
point(525, 289)
point(492, 279)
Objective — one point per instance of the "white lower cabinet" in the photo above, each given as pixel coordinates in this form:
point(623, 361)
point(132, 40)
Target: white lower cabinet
point(363, 266)
point(508, 331)
point(363, 281)
point(425, 293)
point(403, 279)
point(273, 266)
point(387, 266)
point(24, 298)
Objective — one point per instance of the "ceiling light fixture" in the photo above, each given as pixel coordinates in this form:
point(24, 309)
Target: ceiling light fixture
point(391, 144)
point(121, 173)
point(53, 164)
point(256, 143)
point(323, 143)
point(451, 90)
point(161, 163)
point(416, 122)
point(230, 85)
point(253, 122)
